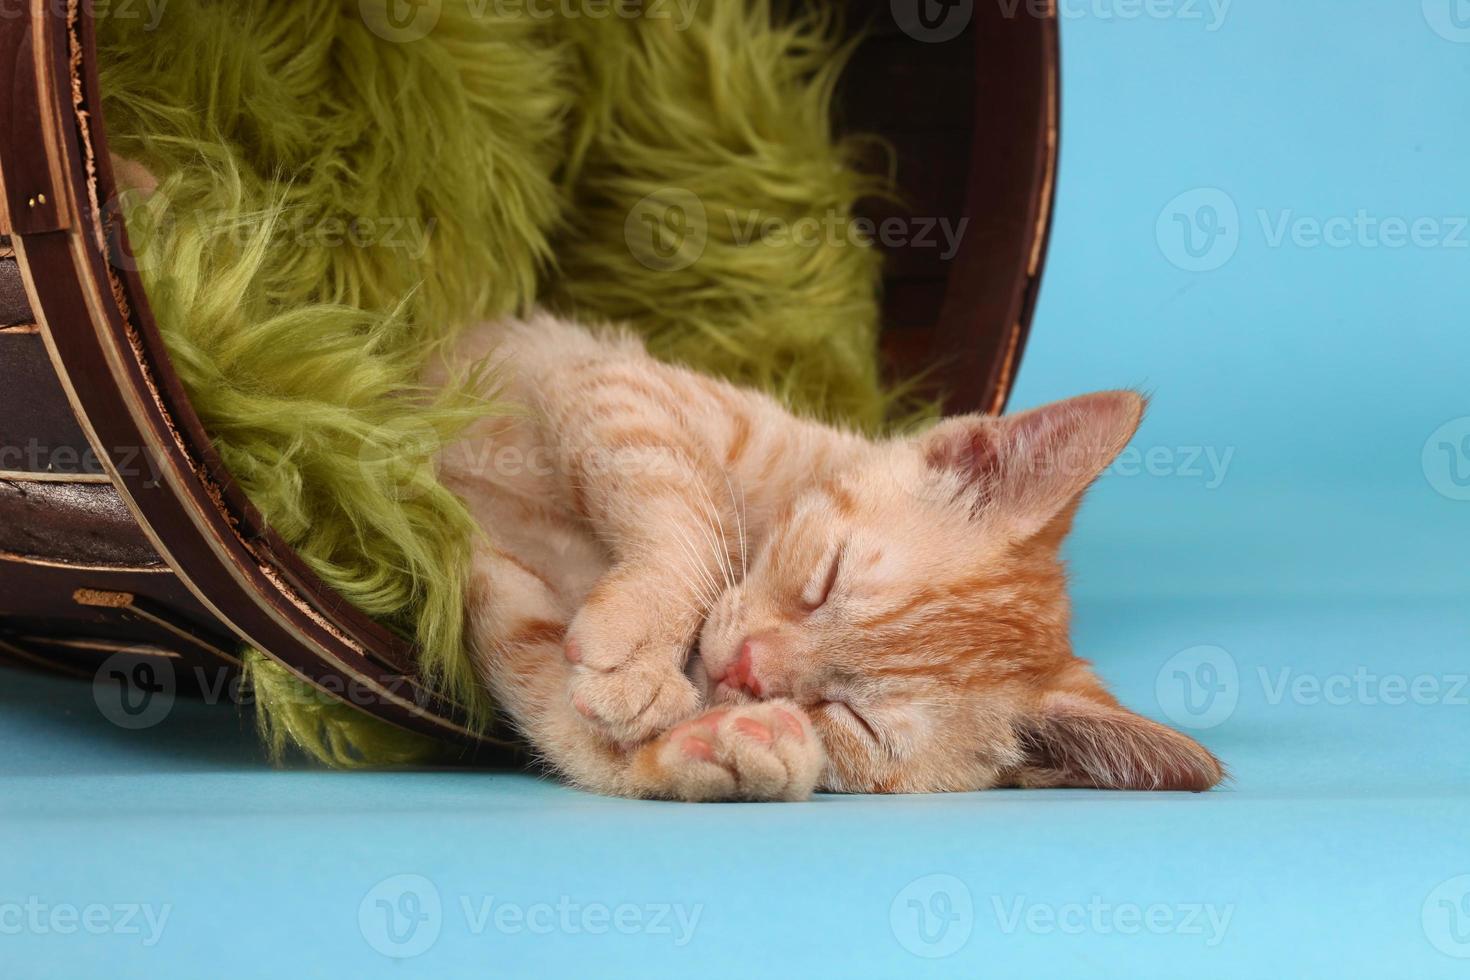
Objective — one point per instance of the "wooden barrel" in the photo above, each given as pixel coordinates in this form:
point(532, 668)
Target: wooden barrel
point(122, 535)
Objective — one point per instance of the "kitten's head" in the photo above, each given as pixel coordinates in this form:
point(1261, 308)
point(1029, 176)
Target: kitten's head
point(915, 605)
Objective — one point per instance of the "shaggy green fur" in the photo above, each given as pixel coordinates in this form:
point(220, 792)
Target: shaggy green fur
point(328, 730)
point(337, 205)
point(686, 145)
point(334, 206)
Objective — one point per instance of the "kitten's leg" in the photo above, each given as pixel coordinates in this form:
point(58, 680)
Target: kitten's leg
point(646, 481)
point(628, 646)
point(517, 624)
point(762, 751)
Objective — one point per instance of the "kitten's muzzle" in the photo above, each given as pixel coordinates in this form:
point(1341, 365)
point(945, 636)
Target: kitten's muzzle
point(751, 673)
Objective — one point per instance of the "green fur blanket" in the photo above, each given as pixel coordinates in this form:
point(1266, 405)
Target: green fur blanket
point(342, 189)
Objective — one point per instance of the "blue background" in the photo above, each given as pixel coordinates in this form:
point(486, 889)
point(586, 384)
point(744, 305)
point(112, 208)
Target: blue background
point(1329, 552)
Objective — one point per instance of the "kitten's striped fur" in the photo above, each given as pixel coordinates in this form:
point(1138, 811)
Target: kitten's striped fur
point(871, 616)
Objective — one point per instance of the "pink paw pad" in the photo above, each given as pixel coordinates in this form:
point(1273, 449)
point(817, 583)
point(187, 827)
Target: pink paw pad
point(573, 652)
point(697, 748)
point(751, 728)
point(583, 708)
point(792, 725)
point(705, 722)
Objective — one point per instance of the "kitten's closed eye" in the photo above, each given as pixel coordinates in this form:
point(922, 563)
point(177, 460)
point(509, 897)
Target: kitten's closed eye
point(819, 590)
point(843, 712)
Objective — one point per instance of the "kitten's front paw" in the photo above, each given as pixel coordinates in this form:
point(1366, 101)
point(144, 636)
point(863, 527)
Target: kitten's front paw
point(767, 750)
point(628, 655)
point(634, 702)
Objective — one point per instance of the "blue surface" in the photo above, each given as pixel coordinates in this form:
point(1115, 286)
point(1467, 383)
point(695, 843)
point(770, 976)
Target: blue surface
point(1304, 603)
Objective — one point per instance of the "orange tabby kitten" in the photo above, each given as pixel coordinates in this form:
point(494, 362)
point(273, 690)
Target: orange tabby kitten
point(864, 616)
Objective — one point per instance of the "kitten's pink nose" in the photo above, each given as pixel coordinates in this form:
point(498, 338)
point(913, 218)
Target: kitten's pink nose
point(741, 674)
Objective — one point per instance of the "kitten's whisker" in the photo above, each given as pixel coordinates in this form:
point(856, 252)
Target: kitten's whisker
point(706, 528)
point(715, 538)
point(739, 511)
point(709, 590)
point(724, 551)
point(700, 556)
point(744, 531)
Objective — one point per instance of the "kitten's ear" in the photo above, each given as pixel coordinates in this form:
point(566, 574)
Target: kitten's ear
point(1032, 464)
point(1078, 740)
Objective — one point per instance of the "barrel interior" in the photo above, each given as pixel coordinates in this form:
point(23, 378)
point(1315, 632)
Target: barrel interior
point(91, 503)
